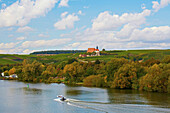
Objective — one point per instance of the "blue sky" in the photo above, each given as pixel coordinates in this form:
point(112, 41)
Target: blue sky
point(33, 25)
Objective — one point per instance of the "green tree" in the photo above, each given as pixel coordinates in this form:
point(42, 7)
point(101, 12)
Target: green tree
point(6, 73)
point(151, 62)
point(49, 72)
point(31, 71)
point(166, 59)
point(72, 60)
point(112, 66)
point(94, 80)
point(97, 61)
point(12, 71)
point(156, 79)
point(125, 77)
point(73, 72)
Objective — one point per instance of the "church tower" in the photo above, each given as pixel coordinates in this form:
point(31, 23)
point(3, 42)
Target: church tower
point(97, 47)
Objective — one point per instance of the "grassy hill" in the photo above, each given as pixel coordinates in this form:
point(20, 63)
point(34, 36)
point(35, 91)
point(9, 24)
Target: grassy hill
point(131, 55)
point(135, 55)
point(13, 59)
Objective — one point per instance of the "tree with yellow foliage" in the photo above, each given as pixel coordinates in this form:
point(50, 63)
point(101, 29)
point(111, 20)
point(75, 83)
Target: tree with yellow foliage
point(74, 72)
point(125, 77)
point(156, 79)
point(12, 71)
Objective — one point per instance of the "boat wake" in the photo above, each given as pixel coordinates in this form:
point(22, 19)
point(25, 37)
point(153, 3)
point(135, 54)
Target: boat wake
point(81, 104)
point(109, 107)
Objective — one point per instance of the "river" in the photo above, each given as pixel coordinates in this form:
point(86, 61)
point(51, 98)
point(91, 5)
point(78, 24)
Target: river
point(16, 97)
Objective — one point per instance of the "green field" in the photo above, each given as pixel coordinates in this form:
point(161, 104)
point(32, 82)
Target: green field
point(13, 59)
point(131, 54)
point(135, 55)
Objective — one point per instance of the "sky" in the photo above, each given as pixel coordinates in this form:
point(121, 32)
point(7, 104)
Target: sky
point(37, 25)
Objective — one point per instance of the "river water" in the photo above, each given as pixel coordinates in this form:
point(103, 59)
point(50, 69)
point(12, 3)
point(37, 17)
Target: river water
point(16, 97)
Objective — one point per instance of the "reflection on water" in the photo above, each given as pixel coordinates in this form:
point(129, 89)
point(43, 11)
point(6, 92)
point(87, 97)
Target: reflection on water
point(139, 97)
point(74, 92)
point(159, 99)
point(33, 91)
point(125, 96)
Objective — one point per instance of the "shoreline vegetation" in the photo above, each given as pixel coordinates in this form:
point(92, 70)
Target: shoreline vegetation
point(120, 72)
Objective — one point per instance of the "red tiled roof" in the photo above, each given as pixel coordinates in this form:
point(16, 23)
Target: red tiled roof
point(96, 49)
point(90, 50)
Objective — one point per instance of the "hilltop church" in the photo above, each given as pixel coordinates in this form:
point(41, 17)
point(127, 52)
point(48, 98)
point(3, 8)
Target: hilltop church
point(96, 50)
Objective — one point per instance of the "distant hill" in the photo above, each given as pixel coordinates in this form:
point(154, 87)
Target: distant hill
point(63, 55)
point(58, 52)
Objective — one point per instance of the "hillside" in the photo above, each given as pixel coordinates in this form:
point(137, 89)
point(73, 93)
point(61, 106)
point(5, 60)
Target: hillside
point(58, 52)
point(135, 55)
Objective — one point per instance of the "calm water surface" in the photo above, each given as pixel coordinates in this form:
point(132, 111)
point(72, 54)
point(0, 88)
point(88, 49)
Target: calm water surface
point(15, 97)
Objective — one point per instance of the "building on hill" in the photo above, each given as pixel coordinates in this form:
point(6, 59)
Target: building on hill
point(96, 50)
point(83, 55)
point(90, 50)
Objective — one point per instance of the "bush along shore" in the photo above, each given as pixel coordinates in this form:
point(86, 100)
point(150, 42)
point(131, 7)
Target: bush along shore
point(151, 75)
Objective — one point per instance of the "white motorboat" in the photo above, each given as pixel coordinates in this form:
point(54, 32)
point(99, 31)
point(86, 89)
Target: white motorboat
point(62, 98)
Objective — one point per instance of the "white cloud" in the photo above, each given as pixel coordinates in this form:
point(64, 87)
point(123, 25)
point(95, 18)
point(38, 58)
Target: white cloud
point(43, 35)
point(45, 43)
point(64, 14)
point(3, 6)
point(27, 51)
point(95, 36)
point(21, 38)
point(163, 3)
point(155, 6)
point(66, 22)
point(126, 31)
point(106, 21)
point(151, 34)
point(21, 12)
point(63, 3)
point(2, 52)
point(80, 12)
point(106, 34)
point(143, 6)
point(75, 44)
point(24, 29)
point(7, 45)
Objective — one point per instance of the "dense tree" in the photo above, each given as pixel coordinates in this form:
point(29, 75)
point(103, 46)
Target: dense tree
point(156, 79)
point(49, 72)
point(150, 75)
point(112, 66)
point(31, 71)
point(151, 62)
point(166, 59)
point(97, 61)
point(168, 88)
point(6, 73)
point(125, 77)
point(72, 60)
point(73, 72)
point(94, 80)
point(12, 71)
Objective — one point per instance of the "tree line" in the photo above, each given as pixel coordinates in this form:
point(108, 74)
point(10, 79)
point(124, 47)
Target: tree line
point(151, 75)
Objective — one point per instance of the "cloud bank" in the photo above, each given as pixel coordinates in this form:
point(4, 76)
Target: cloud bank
point(66, 21)
point(21, 12)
